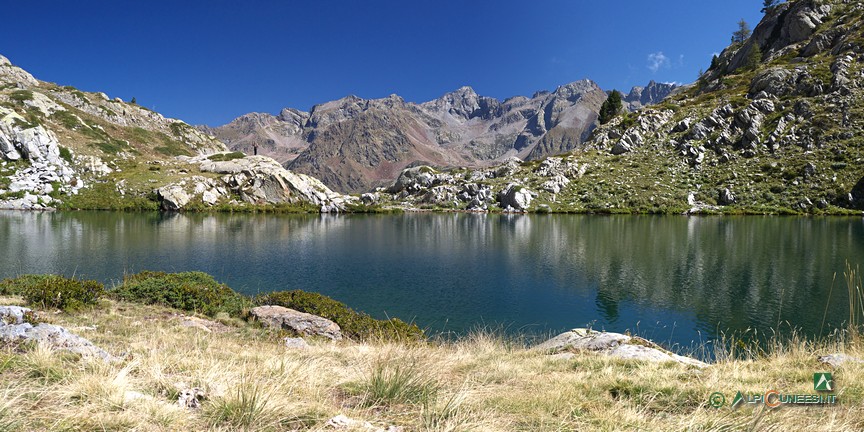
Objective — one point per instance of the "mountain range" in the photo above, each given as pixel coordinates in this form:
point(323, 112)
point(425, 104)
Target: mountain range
point(773, 126)
point(355, 144)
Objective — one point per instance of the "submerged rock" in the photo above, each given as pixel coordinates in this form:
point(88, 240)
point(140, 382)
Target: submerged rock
point(612, 344)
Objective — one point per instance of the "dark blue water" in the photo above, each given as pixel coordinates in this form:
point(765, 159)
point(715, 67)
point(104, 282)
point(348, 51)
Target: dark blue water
point(674, 279)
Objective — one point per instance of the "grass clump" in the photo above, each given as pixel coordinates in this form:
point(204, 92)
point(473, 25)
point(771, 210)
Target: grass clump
point(21, 96)
point(222, 157)
point(189, 291)
point(104, 196)
point(67, 119)
point(54, 291)
point(356, 325)
point(396, 381)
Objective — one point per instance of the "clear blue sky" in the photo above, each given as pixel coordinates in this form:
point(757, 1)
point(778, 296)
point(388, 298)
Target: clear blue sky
point(207, 62)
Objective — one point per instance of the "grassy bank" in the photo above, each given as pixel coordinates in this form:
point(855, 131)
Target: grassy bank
point(480, 382)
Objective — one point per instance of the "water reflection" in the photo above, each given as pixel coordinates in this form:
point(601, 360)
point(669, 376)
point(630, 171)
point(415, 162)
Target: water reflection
point(675, 278)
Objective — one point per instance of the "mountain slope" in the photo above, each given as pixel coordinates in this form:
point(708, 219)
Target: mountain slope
point(61, 147)
point(774, 126)
point(354, 144)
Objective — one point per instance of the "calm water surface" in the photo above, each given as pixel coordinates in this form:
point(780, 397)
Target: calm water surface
point(675, 279)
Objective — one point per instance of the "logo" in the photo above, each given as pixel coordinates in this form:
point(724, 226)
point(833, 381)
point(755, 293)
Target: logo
point(716, 400)
point(738, 398)
point(822, 381)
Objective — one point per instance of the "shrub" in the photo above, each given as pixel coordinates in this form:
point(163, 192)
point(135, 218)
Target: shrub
point(53, 291)
point(354, 324)
point(19, 285)
point(189, 291)
point(65, 154)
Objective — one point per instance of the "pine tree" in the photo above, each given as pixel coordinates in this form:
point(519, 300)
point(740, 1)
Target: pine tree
point(754, 57)
point(610, 107)
point(714, 63)
point(133, 101)
point(766, 4)
point(743, 32)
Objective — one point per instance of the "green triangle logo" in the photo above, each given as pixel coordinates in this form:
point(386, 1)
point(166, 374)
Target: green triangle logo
point(738, 398)
point(822, 381)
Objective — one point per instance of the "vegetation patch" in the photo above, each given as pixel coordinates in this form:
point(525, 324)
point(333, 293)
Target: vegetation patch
point(21, 96)
point(222, 157)
point(104, 196)
point(189, 291)
point(53, 291)
point(354, 324)
point(67, 119)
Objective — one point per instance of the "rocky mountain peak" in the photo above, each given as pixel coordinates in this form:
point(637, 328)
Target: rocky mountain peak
point(293, 116)
point(462, 104)
point(651, 94)
point(576, 89)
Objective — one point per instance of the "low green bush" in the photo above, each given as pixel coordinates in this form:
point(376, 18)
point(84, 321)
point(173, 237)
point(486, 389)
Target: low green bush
point(356, 325)
point(189, 291)
point(53, 291)
point(221, 157)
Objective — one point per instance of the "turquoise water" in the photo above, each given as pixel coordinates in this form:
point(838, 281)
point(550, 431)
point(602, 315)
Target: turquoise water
point(674, 279)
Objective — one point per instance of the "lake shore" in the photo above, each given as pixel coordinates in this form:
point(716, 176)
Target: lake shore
point(244, 377)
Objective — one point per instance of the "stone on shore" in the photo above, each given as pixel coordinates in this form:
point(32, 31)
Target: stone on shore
point(302, 323)
point(14, 330)
point(612, 344)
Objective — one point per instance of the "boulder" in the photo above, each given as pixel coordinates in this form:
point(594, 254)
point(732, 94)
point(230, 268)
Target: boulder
point(621, 147)
point(413, 179)
point(614, 345)
point(173, 197)
point(15, 330)
point(295, 343)
point(725, 197)
point(838, 359)
point(515, 196)
point(302, 323)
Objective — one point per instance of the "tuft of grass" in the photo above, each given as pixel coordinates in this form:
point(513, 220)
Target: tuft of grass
point(21, 96)
point(246, 408)
point(852, 276)
point(398, 381)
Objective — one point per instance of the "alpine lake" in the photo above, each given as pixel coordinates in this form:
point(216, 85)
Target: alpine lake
point(680, 281)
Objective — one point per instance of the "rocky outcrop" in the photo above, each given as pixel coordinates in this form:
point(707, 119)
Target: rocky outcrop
point(255, 180)
point(304, 324)
point(614, 345)
point(40, 170)
point(14, 75)
point(14, 329)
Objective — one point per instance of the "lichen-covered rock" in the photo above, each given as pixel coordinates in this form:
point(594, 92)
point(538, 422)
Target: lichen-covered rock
point(14, 330)
point(302, 323)
point(612, 344)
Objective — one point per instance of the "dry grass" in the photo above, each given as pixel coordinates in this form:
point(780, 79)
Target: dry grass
point(479, 383)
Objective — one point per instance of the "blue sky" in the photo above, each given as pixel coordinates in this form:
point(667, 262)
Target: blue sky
point(207, 62)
